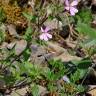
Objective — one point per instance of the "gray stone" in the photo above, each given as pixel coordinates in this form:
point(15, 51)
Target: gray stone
point(12, 30)
point(11, 45)
point(20, 46)
point(39, 55)
point(53, 24)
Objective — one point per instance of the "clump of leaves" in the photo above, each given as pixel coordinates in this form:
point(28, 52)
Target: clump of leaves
point(87, 34)
point(84, 15)
point(28, 34)
point(22, 72)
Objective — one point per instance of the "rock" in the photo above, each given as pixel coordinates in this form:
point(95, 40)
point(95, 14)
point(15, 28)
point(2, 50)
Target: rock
point(65, 57)
point(12, 30)
point(34, 48)
point(2, 84)
point(37, 51)
point(61, 53)
point(55, 48)
point(39, 55)
point(94, 2)
point(11, 45)
point(4, 45)
point(19, 92)
point(42, 91)
point(49, 56)
point(92, 92)
point(20, 46)
point(53, 24)
point(23, 91)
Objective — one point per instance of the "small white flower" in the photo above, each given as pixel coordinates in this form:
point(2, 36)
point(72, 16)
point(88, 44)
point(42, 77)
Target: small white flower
point(66, 79)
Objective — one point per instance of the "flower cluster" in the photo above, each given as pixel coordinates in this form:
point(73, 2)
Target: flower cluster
point(71, 8)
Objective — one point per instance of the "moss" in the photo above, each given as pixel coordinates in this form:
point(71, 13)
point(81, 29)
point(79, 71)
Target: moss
point(13, 13)
point(69, 88)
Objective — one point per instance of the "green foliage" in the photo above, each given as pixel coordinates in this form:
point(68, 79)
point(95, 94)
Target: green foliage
point(2, 15)
point(57, 64)
point(30, 17)
point(34, 90)
point(16, 70)
point(34, 73)
point(28, 34)
point(52, 87)
point(2, 36)
point(80, 88)
point(87, 34)
point(83, 64)
point(85, 29)
point(82, 67)
point(75, 76)
point(89, 41)
point(84, 15)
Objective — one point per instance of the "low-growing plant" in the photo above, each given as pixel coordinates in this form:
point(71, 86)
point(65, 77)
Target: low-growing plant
point(62, 78)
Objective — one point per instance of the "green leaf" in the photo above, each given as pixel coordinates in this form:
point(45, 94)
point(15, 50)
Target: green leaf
point(89, 43)
point(83, 73)
point(80, 88)
point(82, 64)
point(30, 17)
point(85, 29)
point(28, 34)
point(35, 90)
point(75, 76)
point(84, 15)
point(52, 87)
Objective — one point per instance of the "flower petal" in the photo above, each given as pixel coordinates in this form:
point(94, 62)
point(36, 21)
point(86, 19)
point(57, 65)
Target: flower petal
point(41, 36)
point(74, 3)
point(42, 29)
point(67, 8)
point(47, 29)
point(45, 37)
point(49, 35)
point(67, 2)
point(73, 10)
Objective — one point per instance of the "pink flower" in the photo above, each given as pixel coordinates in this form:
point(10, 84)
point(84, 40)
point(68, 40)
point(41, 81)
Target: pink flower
point(45, 35)
point(71, 7)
